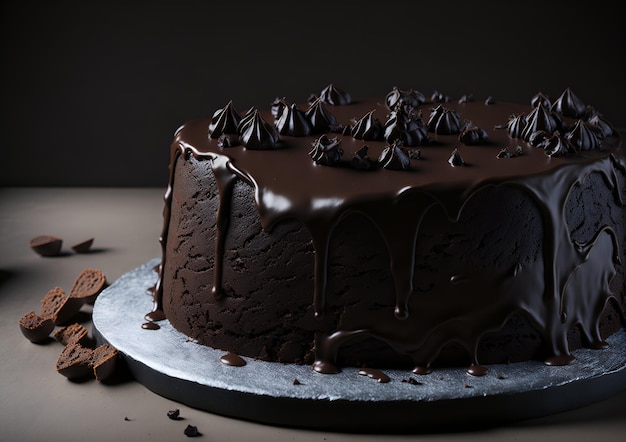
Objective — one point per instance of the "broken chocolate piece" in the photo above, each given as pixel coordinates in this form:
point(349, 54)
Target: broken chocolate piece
point(72, 333)
point(88, 285)
point(46, 245)
point(59, 307)
point(83, 246)
point(35, 328)
point(191, 431)
point(174, 414)
point(103, 361)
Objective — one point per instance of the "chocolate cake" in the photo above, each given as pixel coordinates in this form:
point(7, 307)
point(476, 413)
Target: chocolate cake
point(402, 231)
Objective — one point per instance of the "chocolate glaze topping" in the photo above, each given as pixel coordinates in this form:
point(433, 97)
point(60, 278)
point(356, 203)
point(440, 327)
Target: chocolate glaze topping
point(540, 119)
point(326, 151)
point(410, 98)
point(406, 125)
point(293, 121)
point(569, 105)
point(289, 185)
point(258, 134)
point(472, 135)
point(541, 98)
point(516, 125)
point(583, 136)
point(320, 118)
point(278, 105)
point(331, 94)
point(444, 121)
point(224, 121)
point(456, 159)
point(556, 145)
point(604, 128)
point(368, 128)
point(394, 158)
point(361, 161)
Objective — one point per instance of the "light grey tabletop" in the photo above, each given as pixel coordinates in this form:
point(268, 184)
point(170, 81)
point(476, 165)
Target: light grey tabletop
point(36, 403)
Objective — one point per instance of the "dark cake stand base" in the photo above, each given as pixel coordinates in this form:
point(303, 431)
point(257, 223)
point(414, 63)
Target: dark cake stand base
point(169, 364)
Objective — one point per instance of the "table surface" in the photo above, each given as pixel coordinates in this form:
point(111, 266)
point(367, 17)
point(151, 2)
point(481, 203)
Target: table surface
point(36, 403)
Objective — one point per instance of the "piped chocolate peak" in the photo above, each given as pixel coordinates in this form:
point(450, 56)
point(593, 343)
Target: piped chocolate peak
point(224, 121)
point(544, 125)
point(331, 94)
point(567, 286)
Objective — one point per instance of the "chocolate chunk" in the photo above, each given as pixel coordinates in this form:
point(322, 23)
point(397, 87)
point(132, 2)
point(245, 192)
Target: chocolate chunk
point(59, 307)
point(104, 361)
point(77, 362)
point(46, 245)
point(72, 333)
point(174, 414)
point(88, 285)
point(74, 362)
point(35, 328)
point(83, 246)
point(191, 431)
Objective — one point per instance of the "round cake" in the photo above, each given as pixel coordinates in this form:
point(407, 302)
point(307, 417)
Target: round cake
point(400, 231)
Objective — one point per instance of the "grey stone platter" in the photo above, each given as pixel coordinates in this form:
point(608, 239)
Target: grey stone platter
point(171, 365)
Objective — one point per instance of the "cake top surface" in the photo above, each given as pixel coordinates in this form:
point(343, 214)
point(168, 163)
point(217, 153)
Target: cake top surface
point(445, 148)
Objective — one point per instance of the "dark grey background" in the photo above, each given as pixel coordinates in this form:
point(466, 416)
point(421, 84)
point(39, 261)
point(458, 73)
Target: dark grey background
point(93, 91)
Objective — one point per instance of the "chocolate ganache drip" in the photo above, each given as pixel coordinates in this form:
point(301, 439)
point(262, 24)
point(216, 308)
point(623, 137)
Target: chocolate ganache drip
point(331, 94)
point(406, 125)
point(368, 128)
point(444, 121)
point(258, 134)
point(569, 105)
point(411, 98)
point(326, 151)
point(321, 119)
point(293, 121)
point(224, 121)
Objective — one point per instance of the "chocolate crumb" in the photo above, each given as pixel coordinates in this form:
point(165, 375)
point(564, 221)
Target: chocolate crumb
point(468, 386)
point(501, 376)
point(174, 414)
point(191, 431)
point(296, 382)
point(126, 418)
point(412, 381)
point(413, 153)
point(225, 140)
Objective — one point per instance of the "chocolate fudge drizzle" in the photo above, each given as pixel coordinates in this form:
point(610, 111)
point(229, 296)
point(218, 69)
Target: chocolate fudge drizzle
point(568, 279)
